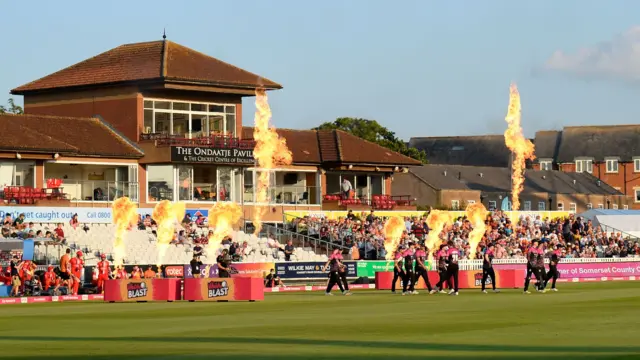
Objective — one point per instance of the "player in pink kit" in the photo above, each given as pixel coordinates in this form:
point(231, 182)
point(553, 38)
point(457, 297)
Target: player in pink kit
point(487, 269)
point(408, 284)
point(334, 266)
point(453, 256)
point(441, 259)
point(342, 272)
point(421, 267)
point(397, 268)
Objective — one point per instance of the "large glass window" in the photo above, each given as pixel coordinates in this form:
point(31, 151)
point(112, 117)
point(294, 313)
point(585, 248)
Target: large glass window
point(89, 182)
point(286, 187)
point(204, 182)
point(248, 195)
point(188, 119)
point(17, 174)
point(160, 182)
point(364, 185)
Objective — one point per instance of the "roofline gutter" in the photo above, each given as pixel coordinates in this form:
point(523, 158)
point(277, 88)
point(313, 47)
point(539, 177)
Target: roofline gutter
point(141, 83)
point(69, 154)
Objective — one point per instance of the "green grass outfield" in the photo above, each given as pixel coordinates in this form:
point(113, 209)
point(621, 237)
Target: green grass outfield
point(581, 321)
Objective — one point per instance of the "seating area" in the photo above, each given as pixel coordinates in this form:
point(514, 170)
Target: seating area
point(27, 195)
point(142, 248)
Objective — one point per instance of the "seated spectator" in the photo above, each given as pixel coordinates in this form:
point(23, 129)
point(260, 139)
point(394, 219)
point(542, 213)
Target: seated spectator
point(18, 223)
point(197, 249)
point(288, 250)
point(200, 221)
point(60, 239)
point(7, 221)
point(273, 280)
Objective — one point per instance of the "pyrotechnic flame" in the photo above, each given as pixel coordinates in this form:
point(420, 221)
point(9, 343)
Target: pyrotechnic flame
point(222, 217)
point(436, 221)
point(269, 152)
point(125, 215)
point(166, 214)
point(392, 231)
point(521, 147)
point(476, 213)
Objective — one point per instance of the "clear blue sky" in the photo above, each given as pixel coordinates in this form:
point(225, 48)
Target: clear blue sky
point(421, 68)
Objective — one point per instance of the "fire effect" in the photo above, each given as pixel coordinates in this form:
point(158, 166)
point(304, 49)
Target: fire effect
point(392, 231)
point(476, 213)
point(166, 214)
point(436, 221)
point(521, 147)
point(222, 217)
point(270, 151)
point(125, 215)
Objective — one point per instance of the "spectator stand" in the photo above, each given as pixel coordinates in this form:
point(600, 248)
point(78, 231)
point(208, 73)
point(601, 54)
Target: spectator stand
point(302, 242)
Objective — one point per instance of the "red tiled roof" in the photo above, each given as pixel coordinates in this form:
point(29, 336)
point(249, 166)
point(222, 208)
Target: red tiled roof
point(302, 144)
point(64, 135)
point(335, 146)
point(161, 61)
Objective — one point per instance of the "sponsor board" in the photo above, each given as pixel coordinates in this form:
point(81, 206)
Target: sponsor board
point(467, 279)
point(217, 289)
point(45, 214)
point(307, 270)
point(136, 289)
point(586, 270)
point(369, 268)
point(235, 270)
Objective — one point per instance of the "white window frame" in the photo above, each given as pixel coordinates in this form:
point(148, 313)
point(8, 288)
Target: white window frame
point(546, 164)
point(635, 193)
point(600, 206)
point(129, 166)
point(253, 171)
point(560, 206)
point(612, 165)
point(471, 201)
point(625, 207)
point(636, 164)
point(455, 205)
point(573, 207)
point(493, 205)
point(614, 206)
point(190, 113)
point(589, 206)
point(543, 207)
point(584, 165)
point(526, 206)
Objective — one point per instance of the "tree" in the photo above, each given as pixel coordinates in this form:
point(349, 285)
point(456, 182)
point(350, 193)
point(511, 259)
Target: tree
point(12, 108)
point(371, 130)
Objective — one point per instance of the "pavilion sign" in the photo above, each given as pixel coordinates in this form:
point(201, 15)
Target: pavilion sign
point(211, 155)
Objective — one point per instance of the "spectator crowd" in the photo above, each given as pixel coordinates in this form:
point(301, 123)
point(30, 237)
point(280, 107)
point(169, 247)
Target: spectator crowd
point(573, 237)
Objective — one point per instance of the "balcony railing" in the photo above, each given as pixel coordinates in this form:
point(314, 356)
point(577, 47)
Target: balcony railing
point(215, 140)
point(286, 195)
point(380, 202)
point(82, 190)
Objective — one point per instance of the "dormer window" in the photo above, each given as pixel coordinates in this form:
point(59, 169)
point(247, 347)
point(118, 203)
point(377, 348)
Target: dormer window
point(546, 164)
point(612, 165)
point(584, 165)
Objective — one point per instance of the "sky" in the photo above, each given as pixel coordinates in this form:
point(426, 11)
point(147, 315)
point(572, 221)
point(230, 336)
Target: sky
point(419, 67)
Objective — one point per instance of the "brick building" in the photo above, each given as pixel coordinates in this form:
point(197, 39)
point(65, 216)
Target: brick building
point(610, 153)
point(453, 187)
point(159, 121)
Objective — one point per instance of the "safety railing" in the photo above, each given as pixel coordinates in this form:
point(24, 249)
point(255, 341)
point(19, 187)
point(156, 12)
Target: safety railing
point(99, 191)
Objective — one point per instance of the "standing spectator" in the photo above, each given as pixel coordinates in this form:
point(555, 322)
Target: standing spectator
point(346, 188)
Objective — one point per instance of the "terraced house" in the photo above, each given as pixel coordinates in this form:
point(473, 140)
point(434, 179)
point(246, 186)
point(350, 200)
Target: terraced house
point(611, 153)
